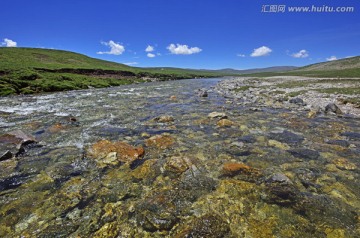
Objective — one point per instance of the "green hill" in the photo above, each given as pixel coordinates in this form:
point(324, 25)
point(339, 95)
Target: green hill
point(30, 70)
point(342, 68)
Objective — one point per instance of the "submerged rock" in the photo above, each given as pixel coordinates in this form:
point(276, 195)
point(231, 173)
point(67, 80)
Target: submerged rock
point(248, 139)
point(278, 178)
point(209, 225)
point(160, 141)
point(280, 190)
point(355, 136)
point(225, 123)
point(342, 143)
point(344, 164)
point(304, 154)
point(177, 164)
point(232, 169)
point(287, 137)
point(107, 152)
point(14, 143)
point(164, 119)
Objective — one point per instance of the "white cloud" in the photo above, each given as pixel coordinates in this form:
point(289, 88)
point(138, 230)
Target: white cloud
point(331, 58)
point(149, 48)
point(261, 51)
point(9, 43)
point(115, 48)
point(301, 54)
point(131, 63)
point(150, 55)
point(183, 49)
point(241, 55)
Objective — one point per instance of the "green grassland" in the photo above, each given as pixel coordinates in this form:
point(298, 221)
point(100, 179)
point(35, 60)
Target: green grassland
point(32, 70)
point(29, 70)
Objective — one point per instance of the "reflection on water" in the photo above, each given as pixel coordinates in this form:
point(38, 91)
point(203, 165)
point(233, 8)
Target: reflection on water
point(243, 173)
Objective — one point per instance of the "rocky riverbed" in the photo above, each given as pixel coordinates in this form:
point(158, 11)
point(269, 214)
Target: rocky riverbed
point(189, 158)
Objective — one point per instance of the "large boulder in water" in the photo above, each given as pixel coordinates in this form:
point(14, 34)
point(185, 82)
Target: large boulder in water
point(14, 143)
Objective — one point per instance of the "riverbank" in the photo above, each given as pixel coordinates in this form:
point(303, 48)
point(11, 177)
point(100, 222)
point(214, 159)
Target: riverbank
point(296, 93)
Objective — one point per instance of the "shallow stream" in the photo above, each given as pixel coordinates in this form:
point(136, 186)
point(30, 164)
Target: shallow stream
point(245, 172)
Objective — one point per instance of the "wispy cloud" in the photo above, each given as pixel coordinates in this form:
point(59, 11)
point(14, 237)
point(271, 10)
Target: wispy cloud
point(301, 54)
point(332, 58)
point(150, 55)
point(131, 63)
point(9, 43)
point(115, 48)
point(241, 55)
point(179, 49)
point(261, 51)
point(149, 48)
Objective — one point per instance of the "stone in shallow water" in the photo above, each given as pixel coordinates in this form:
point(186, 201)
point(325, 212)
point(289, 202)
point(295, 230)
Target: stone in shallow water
point(177, 164)
point(209, 225)
point(332, 107)
point(344, 164)
point(104, 151)
point(355, 136)
point(247, 139)
point(164, 119)
point(225, 123)
point(342, 143)
point(304, 154)
point(232, 169)
point(202, 93)
point(14, 143)
point(277, 144)
point(297, 101)
point(278, 178)
point(160, 141)
point(287, 137)
point(220, 115)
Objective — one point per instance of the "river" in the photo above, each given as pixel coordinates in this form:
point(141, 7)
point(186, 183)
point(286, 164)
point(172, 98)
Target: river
point(241, 172)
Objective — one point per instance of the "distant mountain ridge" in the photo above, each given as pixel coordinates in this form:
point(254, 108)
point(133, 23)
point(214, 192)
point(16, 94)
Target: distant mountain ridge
point(256, 70)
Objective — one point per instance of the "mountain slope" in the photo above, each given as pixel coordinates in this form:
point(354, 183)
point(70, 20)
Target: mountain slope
point(17, 58)
point(341, 64)
point(29, 70)
point(343, 68)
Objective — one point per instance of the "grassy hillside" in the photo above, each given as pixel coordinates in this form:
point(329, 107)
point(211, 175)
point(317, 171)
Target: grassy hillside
point(28, 70)
point(343, 68)
point(341, 64)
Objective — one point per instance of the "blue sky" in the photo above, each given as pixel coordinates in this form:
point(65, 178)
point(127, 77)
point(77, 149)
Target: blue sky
point(209, 34)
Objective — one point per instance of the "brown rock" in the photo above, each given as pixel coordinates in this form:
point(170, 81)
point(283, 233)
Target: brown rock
point(233, 169)
point(14, 143)
point(16, 137)
point(230, 168)
point(160, 141)
point(225, 123)
point(173, 97)
point(105, 150)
